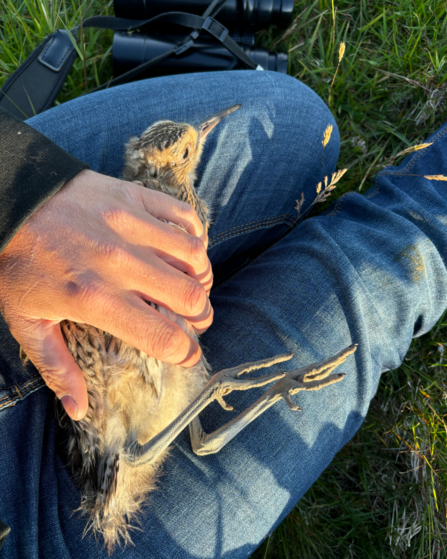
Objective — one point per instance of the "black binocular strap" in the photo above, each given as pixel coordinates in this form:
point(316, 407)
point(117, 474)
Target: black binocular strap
point(34, 86)
point(198, 23)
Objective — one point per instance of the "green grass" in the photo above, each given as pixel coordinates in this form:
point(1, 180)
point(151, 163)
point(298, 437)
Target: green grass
point(384, 495)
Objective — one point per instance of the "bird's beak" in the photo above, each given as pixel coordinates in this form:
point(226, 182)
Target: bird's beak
point(205, 127)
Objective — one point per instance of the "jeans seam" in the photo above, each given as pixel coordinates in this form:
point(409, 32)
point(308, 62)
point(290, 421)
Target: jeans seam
point(417, 156)
point(252, 222)
point(410, 164)
point(21, 390)
point(249, 229)
point(294, 224)
point(253, 226)
point(30, 379)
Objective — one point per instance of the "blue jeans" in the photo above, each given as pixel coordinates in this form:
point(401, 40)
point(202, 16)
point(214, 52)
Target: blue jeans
point(371, 270)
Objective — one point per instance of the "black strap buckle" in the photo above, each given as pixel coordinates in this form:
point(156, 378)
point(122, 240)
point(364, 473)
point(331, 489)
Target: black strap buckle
point(57, 51)
point(215, 28)
point(185, 46)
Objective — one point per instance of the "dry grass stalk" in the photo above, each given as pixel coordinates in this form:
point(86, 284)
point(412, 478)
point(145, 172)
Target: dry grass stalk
point(329, 187)
point(412, 149)
point(299, 204)
point(390, 161)
point(322, 193)
point(341, 53)
point(327, 135)
point(435, 177)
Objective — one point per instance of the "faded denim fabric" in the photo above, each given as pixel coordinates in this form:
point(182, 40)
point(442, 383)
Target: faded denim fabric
point(371, 270)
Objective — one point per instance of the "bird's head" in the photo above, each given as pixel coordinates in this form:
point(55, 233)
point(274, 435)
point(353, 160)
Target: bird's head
point(169, 151)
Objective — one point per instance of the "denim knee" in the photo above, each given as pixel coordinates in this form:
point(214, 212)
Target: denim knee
point(303, 109)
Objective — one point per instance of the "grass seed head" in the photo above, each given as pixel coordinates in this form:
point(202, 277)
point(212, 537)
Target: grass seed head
point(436, 177)
point(341, 52)
point(337, 176)
point(412, 149)
point(327, 135)
point(421, 146)
point(299, 204)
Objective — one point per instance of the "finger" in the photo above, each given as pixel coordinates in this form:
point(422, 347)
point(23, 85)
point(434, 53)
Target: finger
point(206, 278)
point(156, 281)
point(141, 230)
point(177, 292)
point(181, 250)
point(132, 320)
point(163, 206)
point(203, 322)
point(43, 343)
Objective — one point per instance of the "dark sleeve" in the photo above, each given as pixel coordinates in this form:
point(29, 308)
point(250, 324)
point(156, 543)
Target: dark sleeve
point(32, 169)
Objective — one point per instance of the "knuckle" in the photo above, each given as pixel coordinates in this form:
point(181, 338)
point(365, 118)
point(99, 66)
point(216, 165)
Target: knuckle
point(166, 340)
point(188, 211)
point(111, 252)
point(49, 379)
point(116, 217)
point(53, 379)
point(195, 298)
point(197, 252)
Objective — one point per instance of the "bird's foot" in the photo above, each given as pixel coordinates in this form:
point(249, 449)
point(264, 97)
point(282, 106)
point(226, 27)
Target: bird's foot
point(227, 380)
point(312, 377)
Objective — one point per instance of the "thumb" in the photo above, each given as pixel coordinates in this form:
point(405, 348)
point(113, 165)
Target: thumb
point(43, 343)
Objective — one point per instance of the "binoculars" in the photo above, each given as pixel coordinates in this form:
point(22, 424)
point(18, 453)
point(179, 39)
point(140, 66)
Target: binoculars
point(241, 17)
point(250, 15)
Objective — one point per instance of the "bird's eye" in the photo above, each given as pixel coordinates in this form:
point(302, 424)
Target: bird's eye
point(185, 155)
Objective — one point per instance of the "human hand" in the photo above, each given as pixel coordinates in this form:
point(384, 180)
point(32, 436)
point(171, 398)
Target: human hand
point(93, 254)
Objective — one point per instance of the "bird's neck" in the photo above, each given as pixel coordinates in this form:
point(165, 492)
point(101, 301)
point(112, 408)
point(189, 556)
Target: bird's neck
point(190, 196)
point(182, 188)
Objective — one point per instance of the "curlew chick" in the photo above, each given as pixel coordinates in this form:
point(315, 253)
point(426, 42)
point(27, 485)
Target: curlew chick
point(166, 156)
point(137, 404)
point(130, 393)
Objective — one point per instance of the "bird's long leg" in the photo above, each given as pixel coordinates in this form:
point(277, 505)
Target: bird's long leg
point(220, 385)
point(312, 377)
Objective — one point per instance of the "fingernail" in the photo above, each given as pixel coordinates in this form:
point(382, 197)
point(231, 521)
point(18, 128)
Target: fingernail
point(70, 406)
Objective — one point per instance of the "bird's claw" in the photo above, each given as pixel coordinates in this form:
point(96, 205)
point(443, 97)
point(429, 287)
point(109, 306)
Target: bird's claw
point(288, 400)
point(224, 405)
point(312, 377)
point(227, 380)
